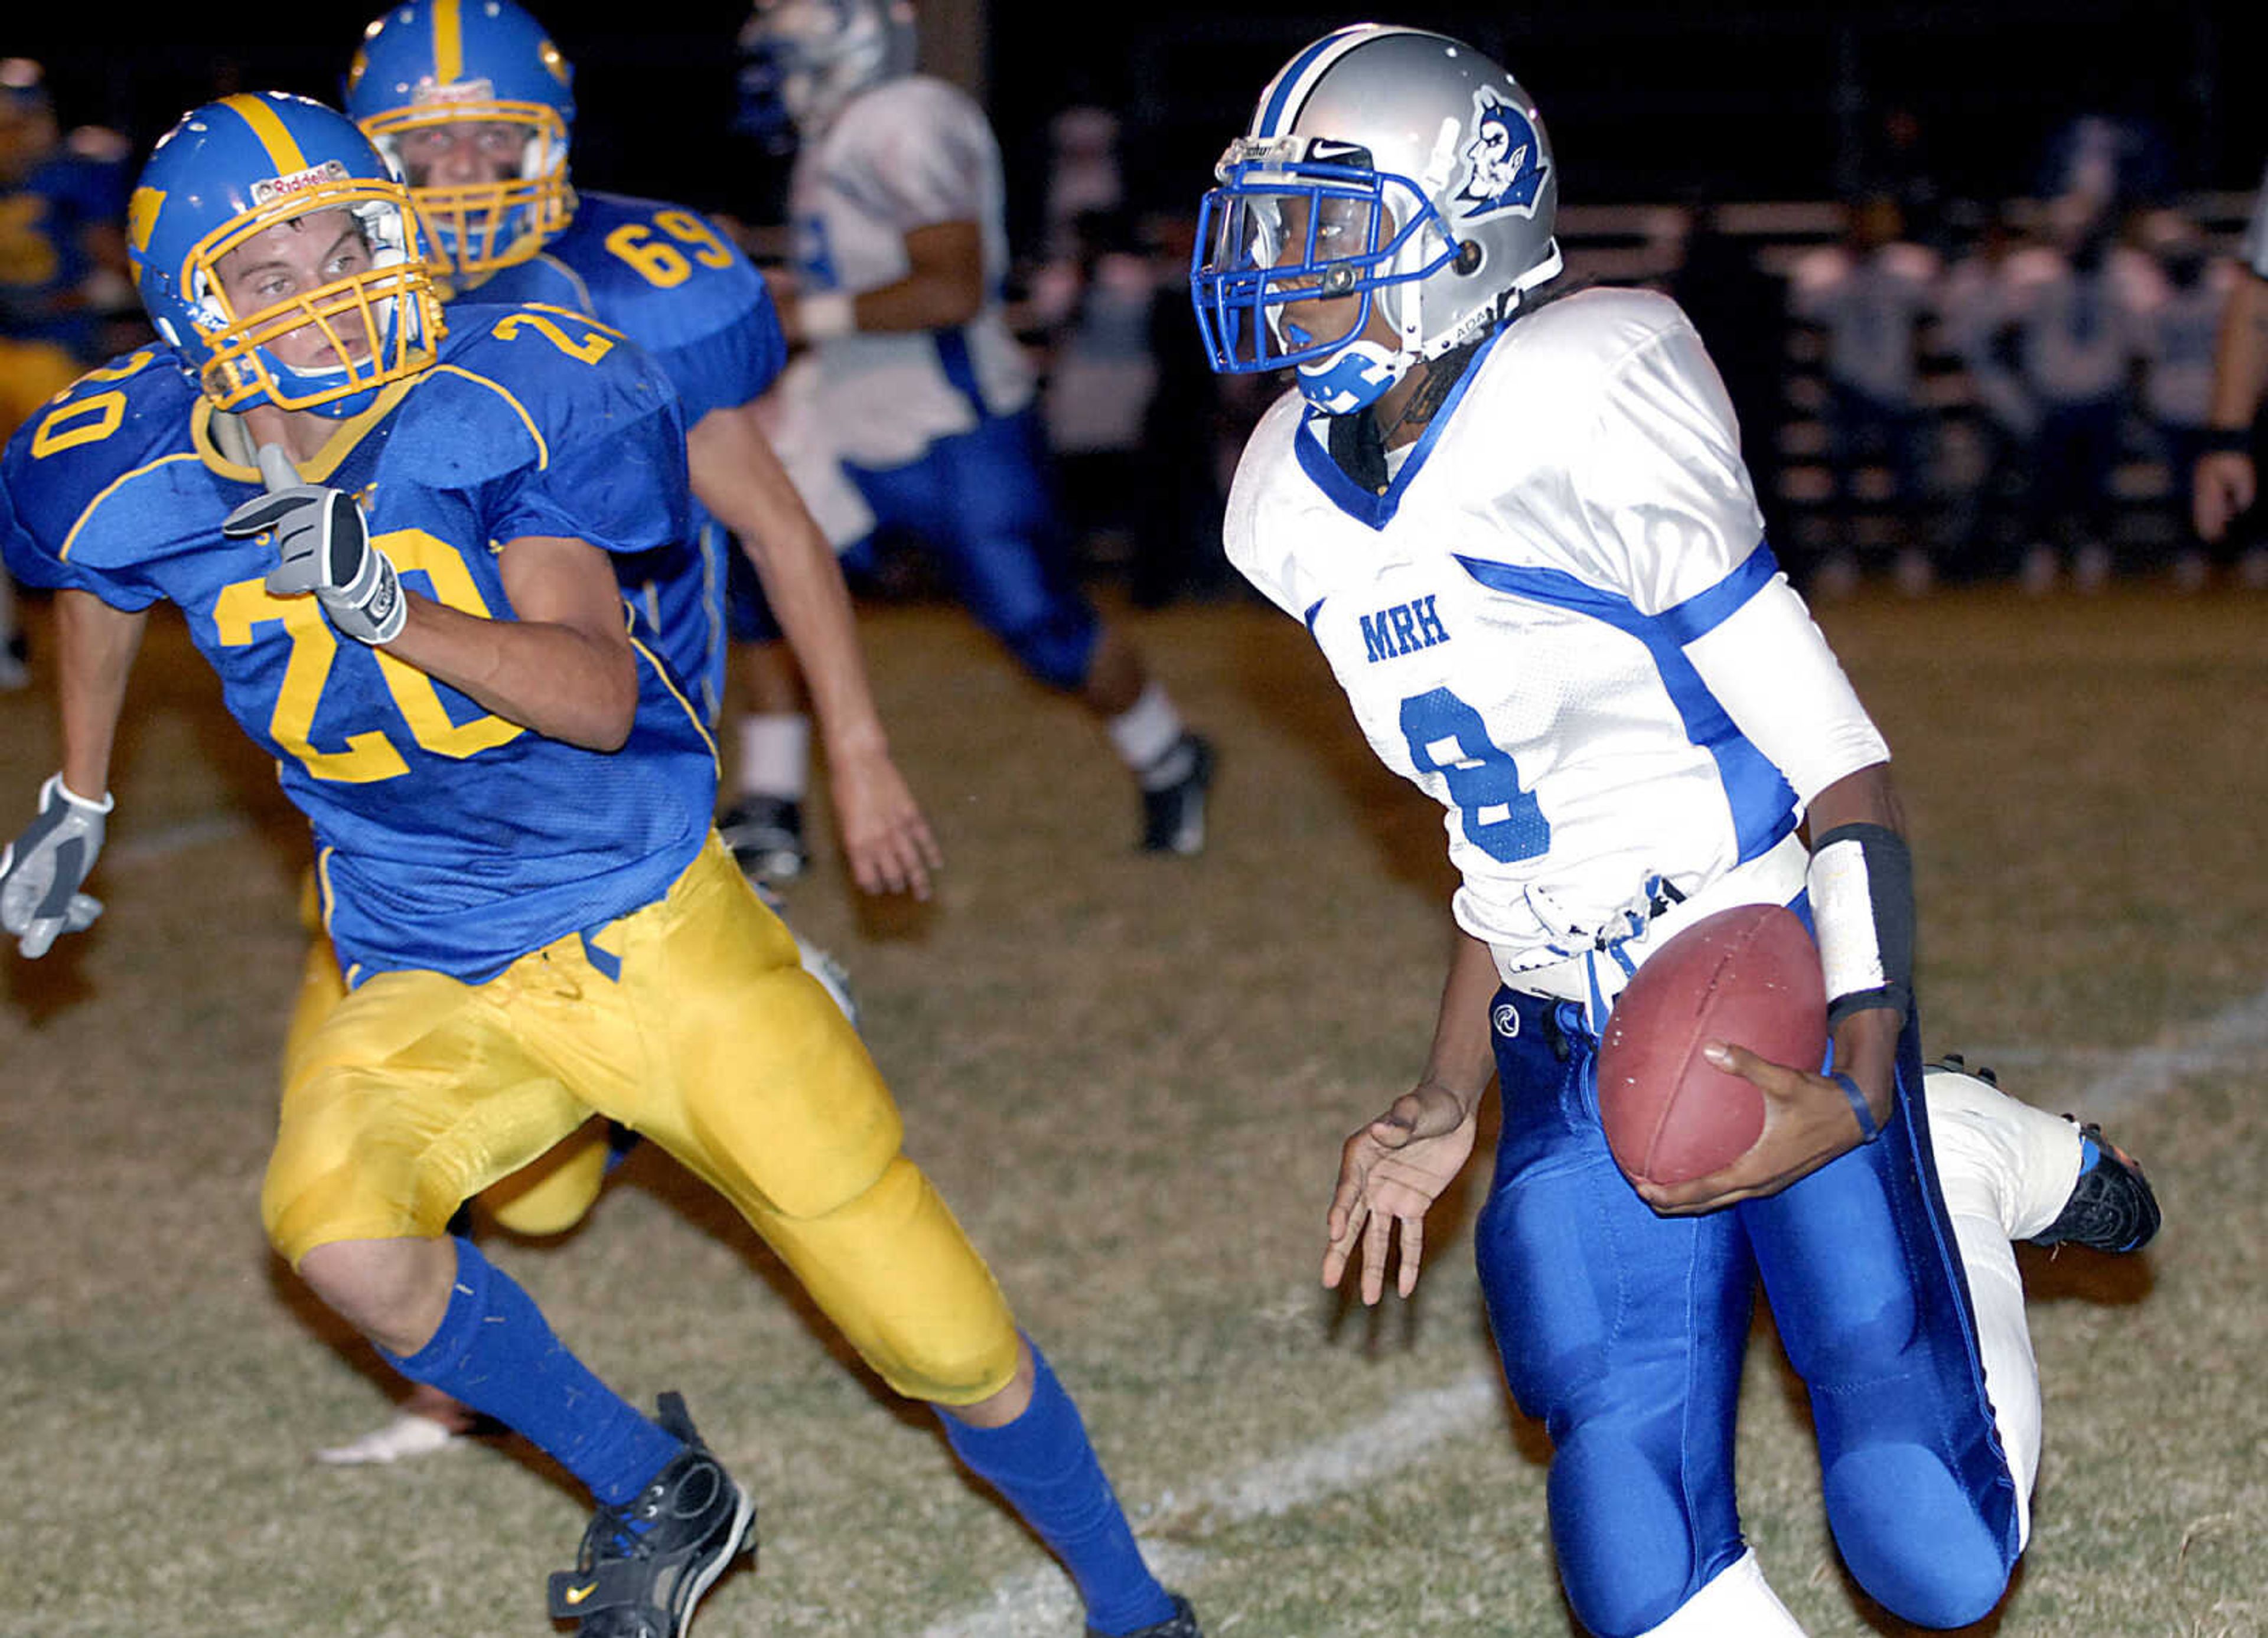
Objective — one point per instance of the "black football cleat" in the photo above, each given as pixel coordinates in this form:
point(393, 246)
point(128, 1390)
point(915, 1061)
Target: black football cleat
point(2112, 1208)
point(1183, 1623)
point(1173, 812)
point(643, 1565)
point(766, 836)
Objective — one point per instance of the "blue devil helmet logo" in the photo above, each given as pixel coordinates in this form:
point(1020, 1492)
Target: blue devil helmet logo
point(1505, 163)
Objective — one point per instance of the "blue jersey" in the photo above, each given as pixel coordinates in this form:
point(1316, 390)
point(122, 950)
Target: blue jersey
point(450, 840)
point(677, 286)
point(43, 257)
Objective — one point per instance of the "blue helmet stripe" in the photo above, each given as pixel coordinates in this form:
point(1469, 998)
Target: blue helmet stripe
point(1277, 109)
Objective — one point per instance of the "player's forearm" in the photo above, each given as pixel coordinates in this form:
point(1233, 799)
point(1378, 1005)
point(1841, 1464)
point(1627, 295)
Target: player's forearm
point(95, 646)
point(1463, 1055)
point(564, 682)
point(943, 286)
point(2240, 361)
point(1866, 1039)
point(740, 479)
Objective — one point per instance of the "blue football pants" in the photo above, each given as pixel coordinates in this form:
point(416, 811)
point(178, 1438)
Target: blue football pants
point(1623, 1333)
point(983, 504)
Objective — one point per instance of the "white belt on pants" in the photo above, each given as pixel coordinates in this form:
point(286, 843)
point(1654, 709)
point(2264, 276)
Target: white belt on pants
point(1594, 978)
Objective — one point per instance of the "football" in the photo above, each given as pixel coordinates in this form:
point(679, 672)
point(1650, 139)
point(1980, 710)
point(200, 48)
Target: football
point(1749, 975)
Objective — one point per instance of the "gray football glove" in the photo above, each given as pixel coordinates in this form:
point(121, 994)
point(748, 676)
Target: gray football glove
point(326, 550)
point(41, 870)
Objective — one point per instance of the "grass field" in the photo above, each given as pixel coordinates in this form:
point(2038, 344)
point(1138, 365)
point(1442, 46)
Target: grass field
point(1131, 1076)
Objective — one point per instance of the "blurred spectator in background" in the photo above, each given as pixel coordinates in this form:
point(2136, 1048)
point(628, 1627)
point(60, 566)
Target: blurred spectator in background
point(2079, 304)
point(1869, 293)
point(1740, 311)
point(1896, 165)
point(2177, 347)
point(1094, 309)
point(1187, 441)
point(1083, 180)
point(2112, 155)
point(63, 267)
point(2226, 480)
point(1987, 514)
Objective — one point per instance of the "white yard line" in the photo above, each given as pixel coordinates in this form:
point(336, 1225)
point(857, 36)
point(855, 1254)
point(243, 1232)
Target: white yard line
point(2109, 1081)
point(1039, 1603)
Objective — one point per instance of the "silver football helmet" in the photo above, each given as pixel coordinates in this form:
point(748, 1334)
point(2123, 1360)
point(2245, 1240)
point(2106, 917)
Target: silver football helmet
point(815, 56)
point(1392, 166)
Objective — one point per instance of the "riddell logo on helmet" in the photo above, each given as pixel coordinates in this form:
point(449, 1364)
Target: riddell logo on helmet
point(277, 188)
point(430, 90)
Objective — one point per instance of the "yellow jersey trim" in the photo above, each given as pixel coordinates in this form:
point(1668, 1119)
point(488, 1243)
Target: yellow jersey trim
point(542, 450)
point(324, 461)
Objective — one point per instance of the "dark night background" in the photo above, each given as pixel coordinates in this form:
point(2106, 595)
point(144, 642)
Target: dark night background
point(1646, 99)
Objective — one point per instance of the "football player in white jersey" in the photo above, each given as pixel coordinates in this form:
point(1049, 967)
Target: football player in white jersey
point(919, 399)
point(1516, 520)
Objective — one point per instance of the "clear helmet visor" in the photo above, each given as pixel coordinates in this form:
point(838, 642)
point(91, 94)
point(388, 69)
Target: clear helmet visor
point(1289, 260)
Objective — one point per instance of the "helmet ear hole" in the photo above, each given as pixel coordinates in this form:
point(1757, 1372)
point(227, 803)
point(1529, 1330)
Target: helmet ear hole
point(1469, 259)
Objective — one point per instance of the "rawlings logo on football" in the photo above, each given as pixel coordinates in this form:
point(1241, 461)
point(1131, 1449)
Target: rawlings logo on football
point(275, 187)
point(1505, 168)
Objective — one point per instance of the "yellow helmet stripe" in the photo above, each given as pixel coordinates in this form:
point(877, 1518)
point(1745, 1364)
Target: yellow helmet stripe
point(282, 146)
point(448, 43)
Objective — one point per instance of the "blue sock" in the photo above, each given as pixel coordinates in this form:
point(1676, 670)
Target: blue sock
point(1042, 1464)
point(496, 1353)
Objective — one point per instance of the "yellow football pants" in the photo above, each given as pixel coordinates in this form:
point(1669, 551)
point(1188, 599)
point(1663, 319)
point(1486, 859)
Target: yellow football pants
point(548, 1195)
point(693, 1022)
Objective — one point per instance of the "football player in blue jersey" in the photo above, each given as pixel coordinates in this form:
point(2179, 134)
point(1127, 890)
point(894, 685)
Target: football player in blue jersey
point(916, 412)
point(475, 106)
point(1514, 516)
point(390, 538)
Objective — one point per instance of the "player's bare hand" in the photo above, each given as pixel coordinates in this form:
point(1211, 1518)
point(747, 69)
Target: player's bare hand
point(885, 836)
point(1807, 1122)
point(2224, 485)
point(1391, 1172)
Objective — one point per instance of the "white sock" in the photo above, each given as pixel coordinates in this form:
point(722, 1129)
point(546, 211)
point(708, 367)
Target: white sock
point(776, 755)
point(2005, 1169)
point(1147, 730)
point(1737, 1602)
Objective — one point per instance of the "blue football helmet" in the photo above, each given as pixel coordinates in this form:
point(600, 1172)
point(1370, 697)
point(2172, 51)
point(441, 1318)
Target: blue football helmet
point(230, 171)
point(815, 56)
point(1398, 168)
point(432, 63)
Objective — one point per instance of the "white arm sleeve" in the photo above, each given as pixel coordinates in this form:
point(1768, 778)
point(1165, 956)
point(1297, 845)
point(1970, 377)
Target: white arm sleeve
point(1768, 665)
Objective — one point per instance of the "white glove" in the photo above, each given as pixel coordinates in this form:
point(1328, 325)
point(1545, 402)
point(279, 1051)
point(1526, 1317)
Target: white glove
point(326, 550)
point(41, 870)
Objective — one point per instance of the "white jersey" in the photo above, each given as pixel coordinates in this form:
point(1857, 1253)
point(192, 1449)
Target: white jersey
point(910, 153)
point(1560, 621)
